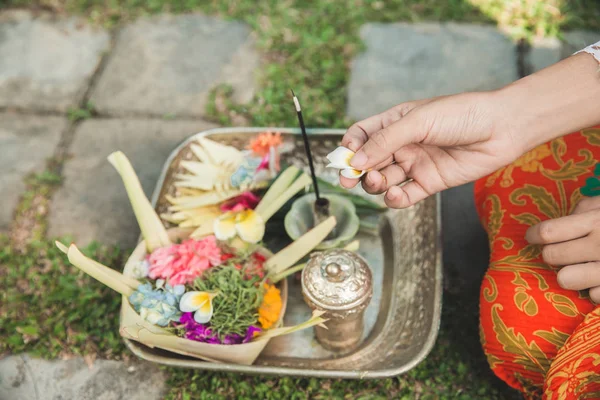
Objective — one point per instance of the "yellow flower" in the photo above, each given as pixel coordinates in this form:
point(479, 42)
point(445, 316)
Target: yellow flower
point(247, 224)
point(269, 310)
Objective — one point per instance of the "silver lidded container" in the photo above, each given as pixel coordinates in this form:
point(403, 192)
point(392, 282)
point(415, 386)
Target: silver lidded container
point(340, 283)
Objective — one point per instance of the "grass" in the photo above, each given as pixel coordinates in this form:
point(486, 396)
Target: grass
point(50, 310)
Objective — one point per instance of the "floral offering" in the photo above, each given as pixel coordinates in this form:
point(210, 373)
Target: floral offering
point(208, 292)
point(216, 294)
point(225, 179)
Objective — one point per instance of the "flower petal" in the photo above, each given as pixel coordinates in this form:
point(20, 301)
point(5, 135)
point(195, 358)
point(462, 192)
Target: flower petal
point(204, 314)
point(152, 316)
point(352, 173)
point(340, 158)
point(192, 301)
point(224, 226)
point(250, 226)
point(178, 290)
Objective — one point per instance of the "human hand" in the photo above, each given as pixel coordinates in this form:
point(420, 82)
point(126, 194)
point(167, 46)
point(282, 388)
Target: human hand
point(448, 141)
point(573, 242)
point(438, 143)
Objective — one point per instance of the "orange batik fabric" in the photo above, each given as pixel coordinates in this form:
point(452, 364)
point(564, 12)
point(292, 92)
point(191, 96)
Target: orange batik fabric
point(539, 338)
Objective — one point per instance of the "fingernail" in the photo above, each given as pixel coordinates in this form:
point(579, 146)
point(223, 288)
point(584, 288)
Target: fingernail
point(562, 282)
point(358, 160)
point(373, 178)
point(392, 193)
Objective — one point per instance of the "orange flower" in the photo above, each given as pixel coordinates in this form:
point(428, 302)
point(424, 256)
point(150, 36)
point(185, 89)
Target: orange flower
point(269, 310)
point(261, 144)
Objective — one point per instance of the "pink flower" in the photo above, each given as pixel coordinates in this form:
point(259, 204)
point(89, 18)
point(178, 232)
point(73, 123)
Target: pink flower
point(264, 164)
point(245, 201)
point(181, 263)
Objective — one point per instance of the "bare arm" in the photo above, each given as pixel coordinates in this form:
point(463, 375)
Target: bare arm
point(451, 140)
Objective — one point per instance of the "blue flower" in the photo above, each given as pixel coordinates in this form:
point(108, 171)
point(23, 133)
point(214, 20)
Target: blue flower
point(158, 306)
point(244, 175)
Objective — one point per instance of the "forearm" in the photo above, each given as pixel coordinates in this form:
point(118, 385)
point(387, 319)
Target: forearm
point(552, 102)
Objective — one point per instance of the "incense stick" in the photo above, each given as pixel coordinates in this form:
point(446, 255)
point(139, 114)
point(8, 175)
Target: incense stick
point(307, 147)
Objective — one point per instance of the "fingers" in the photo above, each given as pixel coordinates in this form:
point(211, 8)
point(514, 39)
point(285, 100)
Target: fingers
point(358, 134)
point(385, 142)
point(349, 183)
point(405, 195)
point(587, 204)
point(377, 182)
point(571, 252)
point(561, 229)
point(580, 276)
point(595, 294)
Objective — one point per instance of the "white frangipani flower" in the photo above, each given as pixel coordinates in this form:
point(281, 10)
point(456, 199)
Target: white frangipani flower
point(200, 303)
point(340, 159)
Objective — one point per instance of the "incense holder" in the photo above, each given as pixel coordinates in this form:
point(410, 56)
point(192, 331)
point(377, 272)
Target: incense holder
point(301, 218)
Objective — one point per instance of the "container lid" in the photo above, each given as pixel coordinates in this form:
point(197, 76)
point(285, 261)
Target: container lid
point(337, 280)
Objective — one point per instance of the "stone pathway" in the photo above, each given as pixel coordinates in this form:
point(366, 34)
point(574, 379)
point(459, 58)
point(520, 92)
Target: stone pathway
point(166, 66)
point(93, 197)
point(25, 378)
point(149, 83)
point(26, 141)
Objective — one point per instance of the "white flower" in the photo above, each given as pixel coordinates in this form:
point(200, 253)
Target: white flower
point(152, 316)
point(247, 224)
point(200, 303)
point(340, 159)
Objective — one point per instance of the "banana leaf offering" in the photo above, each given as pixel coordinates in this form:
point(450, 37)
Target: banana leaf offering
point(209, 288)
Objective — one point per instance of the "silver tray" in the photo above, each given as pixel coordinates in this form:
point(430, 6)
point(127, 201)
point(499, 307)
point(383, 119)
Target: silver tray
point(402, 320)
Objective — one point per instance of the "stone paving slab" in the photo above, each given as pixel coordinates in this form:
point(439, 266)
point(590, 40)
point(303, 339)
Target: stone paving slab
point(46, 63)
point(413, 61)
point(547, 51)
point(25, 378)
point(577, 40)
point(167, 65)
point(26, 142)
point(543, 53)
point(92, 203)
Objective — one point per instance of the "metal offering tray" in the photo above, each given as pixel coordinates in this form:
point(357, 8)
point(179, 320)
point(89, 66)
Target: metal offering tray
point(402, 320)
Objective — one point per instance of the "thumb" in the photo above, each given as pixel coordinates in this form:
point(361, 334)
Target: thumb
point(385, 142)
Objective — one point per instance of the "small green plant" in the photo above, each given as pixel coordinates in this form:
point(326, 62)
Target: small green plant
point(78, 114)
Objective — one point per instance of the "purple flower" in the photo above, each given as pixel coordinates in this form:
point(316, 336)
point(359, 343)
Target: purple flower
point(203, 333)
point(250, 333)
